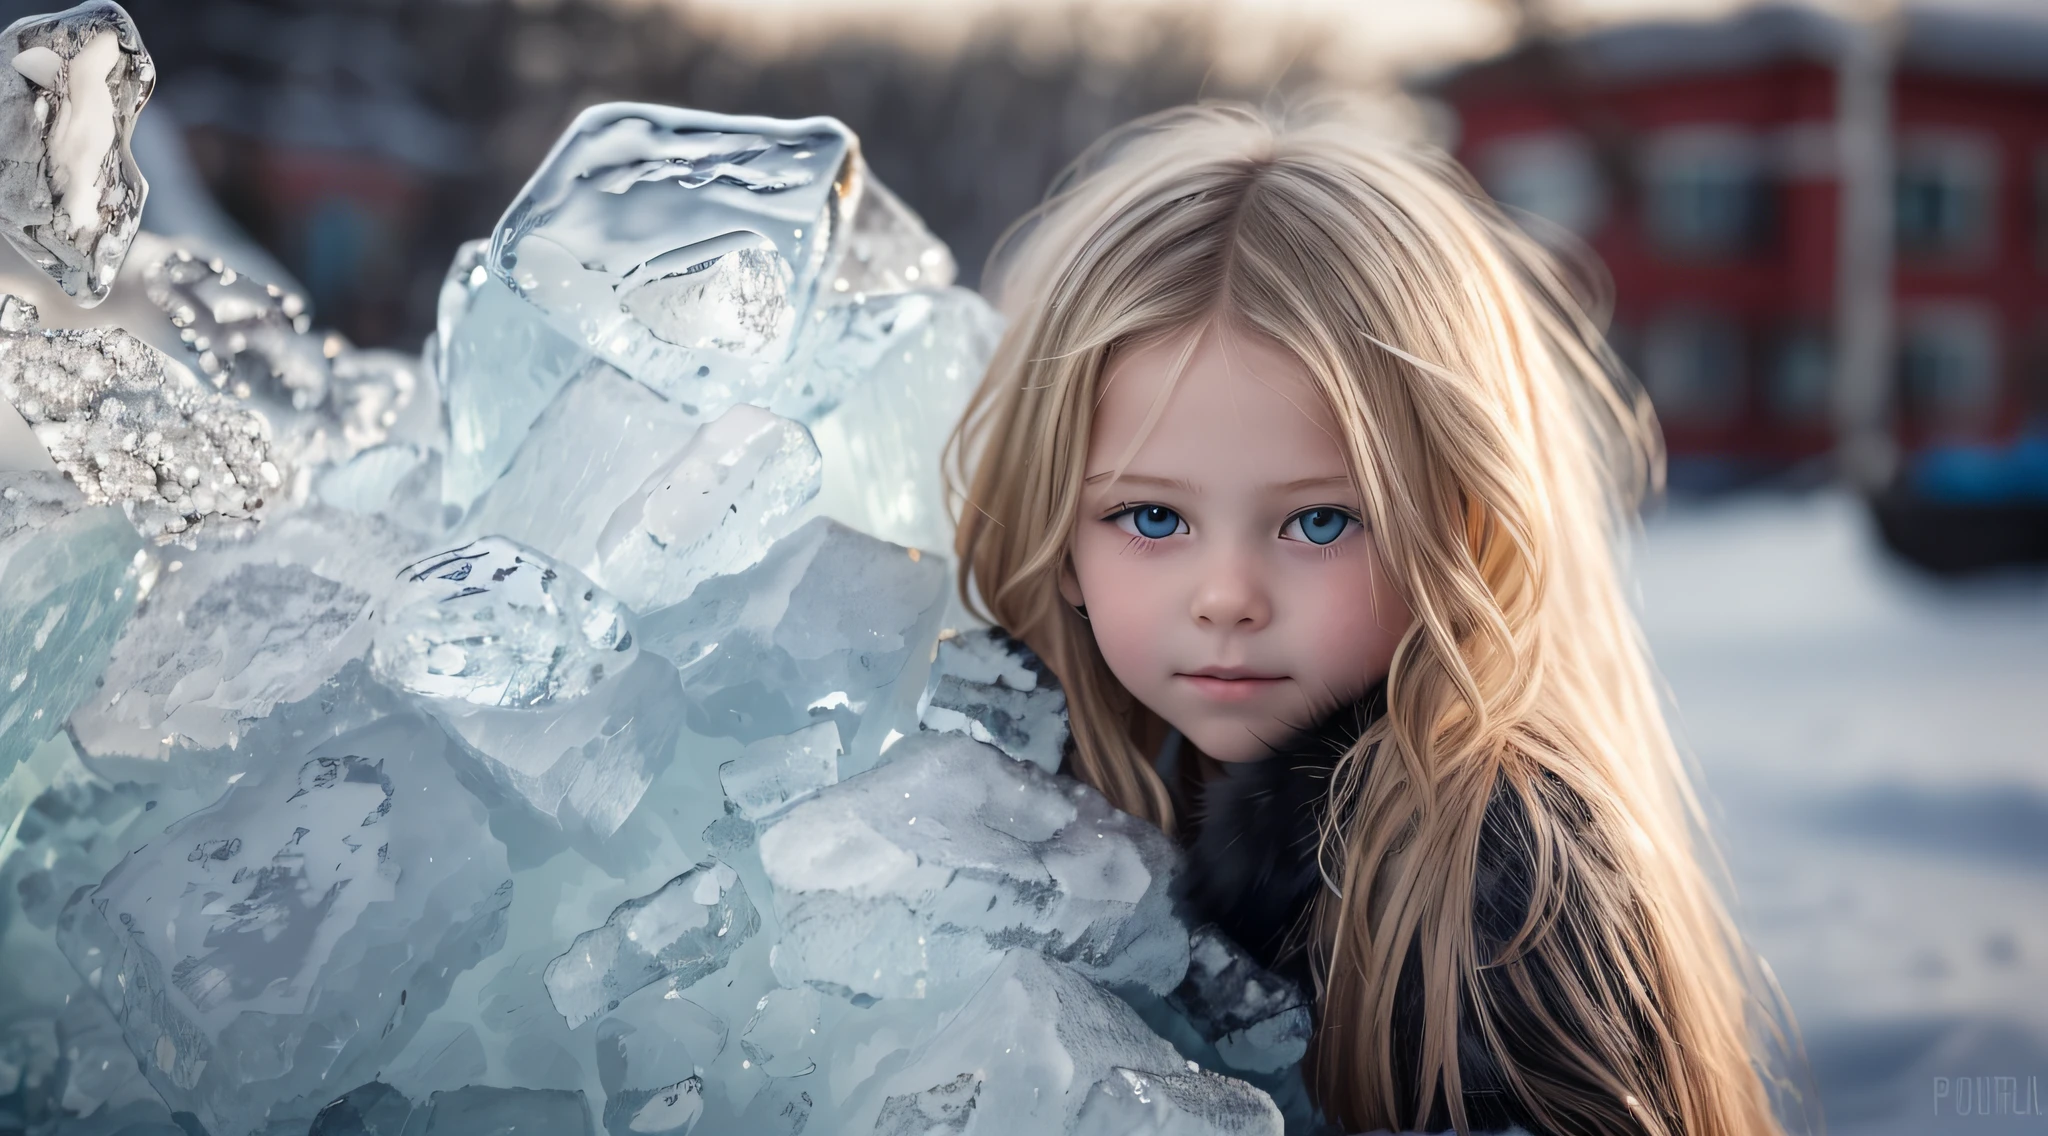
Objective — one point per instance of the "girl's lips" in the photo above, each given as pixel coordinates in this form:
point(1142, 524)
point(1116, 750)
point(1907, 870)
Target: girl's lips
point(1227, 687)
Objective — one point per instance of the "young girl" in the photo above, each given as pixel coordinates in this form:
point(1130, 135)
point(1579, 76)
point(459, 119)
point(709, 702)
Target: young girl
point(1305, 473)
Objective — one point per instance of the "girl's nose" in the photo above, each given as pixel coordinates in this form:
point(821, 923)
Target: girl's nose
point(1231, 595)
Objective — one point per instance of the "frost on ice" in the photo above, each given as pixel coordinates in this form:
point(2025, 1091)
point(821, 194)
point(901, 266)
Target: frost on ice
point(70, 192)
point(555, 731)
point(133, 429)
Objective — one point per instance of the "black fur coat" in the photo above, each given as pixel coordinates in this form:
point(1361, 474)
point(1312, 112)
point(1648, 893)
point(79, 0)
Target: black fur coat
point(1252, 870)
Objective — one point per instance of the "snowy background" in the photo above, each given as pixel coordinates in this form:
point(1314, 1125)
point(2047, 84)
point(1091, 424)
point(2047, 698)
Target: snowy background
point(1874, 747)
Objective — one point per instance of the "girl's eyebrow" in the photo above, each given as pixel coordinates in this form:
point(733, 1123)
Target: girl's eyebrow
point(1181, 483)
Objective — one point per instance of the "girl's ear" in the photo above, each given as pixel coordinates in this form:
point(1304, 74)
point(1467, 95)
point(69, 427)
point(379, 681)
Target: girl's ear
point(1070, 584)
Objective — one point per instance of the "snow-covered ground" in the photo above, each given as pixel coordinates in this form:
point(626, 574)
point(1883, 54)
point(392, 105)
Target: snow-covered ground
point(1874, 750)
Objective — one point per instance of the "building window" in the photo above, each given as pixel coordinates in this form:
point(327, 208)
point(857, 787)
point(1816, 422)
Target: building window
point(1707, 193)
point(1692, 364)
point(1948, 365)
point(1800, 373)
point(1551, 175)
point(1943, 195)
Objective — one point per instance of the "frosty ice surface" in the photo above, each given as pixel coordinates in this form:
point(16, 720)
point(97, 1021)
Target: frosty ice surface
point(130, 427)
point(993, 689)
point(70, 192)
point(268, 952)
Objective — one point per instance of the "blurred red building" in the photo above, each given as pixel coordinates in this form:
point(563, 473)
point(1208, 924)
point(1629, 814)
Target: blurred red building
point(1701, 162)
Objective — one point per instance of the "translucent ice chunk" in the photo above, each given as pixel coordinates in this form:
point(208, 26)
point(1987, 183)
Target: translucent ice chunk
point(70, 192)
point(493, 623)
point(916, 875)
point(399, 481)
point(131, 428)
point(731, 492)
point(782, 1036)
point(596, 445)
point(583, 763)
point(883, 440)
point(681, 246)
point(823, 627)
point(1035, 1050)
point(378, 395)
point(650, 1054)
point(70, 575)
point(277, 947)
point(1258, 1021)
point(684, 931)
point(499, 365)
point(776, 771)
point(244, 335)
point(890, 250)
point(374, 1109)
point(993, 689)
point(234, 632)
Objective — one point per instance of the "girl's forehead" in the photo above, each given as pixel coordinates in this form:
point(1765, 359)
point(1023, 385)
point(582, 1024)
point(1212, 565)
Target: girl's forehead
point(1208, 399)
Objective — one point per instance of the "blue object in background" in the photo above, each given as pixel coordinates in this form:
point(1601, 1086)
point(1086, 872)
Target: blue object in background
point(1984, 474)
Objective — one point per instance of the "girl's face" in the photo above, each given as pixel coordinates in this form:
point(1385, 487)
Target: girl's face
point(1230, 581)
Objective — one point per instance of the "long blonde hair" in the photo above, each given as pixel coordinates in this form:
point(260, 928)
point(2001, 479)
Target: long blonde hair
point(1501, 454)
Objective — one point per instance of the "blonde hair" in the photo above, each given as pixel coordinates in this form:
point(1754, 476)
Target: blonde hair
point(1501, 454)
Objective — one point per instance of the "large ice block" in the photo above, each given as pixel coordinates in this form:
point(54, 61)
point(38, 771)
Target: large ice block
point(272, 950)
point(70, 575)
point(732, 491)
point(229, 635)
point(884, 434)
point(492, 623)
point(775, 772)
point(134, 429)
point(596, 445)
point(480, 1110)
point(1039, 1048)
point(70, 191)
point(582, 764)
point(499, 364)
point(823, 627)
point(684, 931)
point(990, 687)
point(916, 876)
point(682, 247)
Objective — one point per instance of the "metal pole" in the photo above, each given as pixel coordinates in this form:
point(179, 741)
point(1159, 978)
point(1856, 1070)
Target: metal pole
point(1865, 450)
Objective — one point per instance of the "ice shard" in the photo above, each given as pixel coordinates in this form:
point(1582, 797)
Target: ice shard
point(70, 575)
point(824, 627)
point(499, 364)
point(651, 1054)
point(782, 1036)
point(1039, 1048)
point(492, 623)
point(229, 635)
point(70, 192)
point(889, 249)
point(884, 433)
point(596, 444)
point(1258, 1021)
point(731, 492)
point(131, 428)
point(685, 931)
point(682, 247)
point(272, 950)
point(990, 687)
point(244, 335)
point(915, 876)
point(774, 772)
point(580, 765)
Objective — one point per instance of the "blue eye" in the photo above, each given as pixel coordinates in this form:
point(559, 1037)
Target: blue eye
point(1153, 522)
point(1319, 526)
